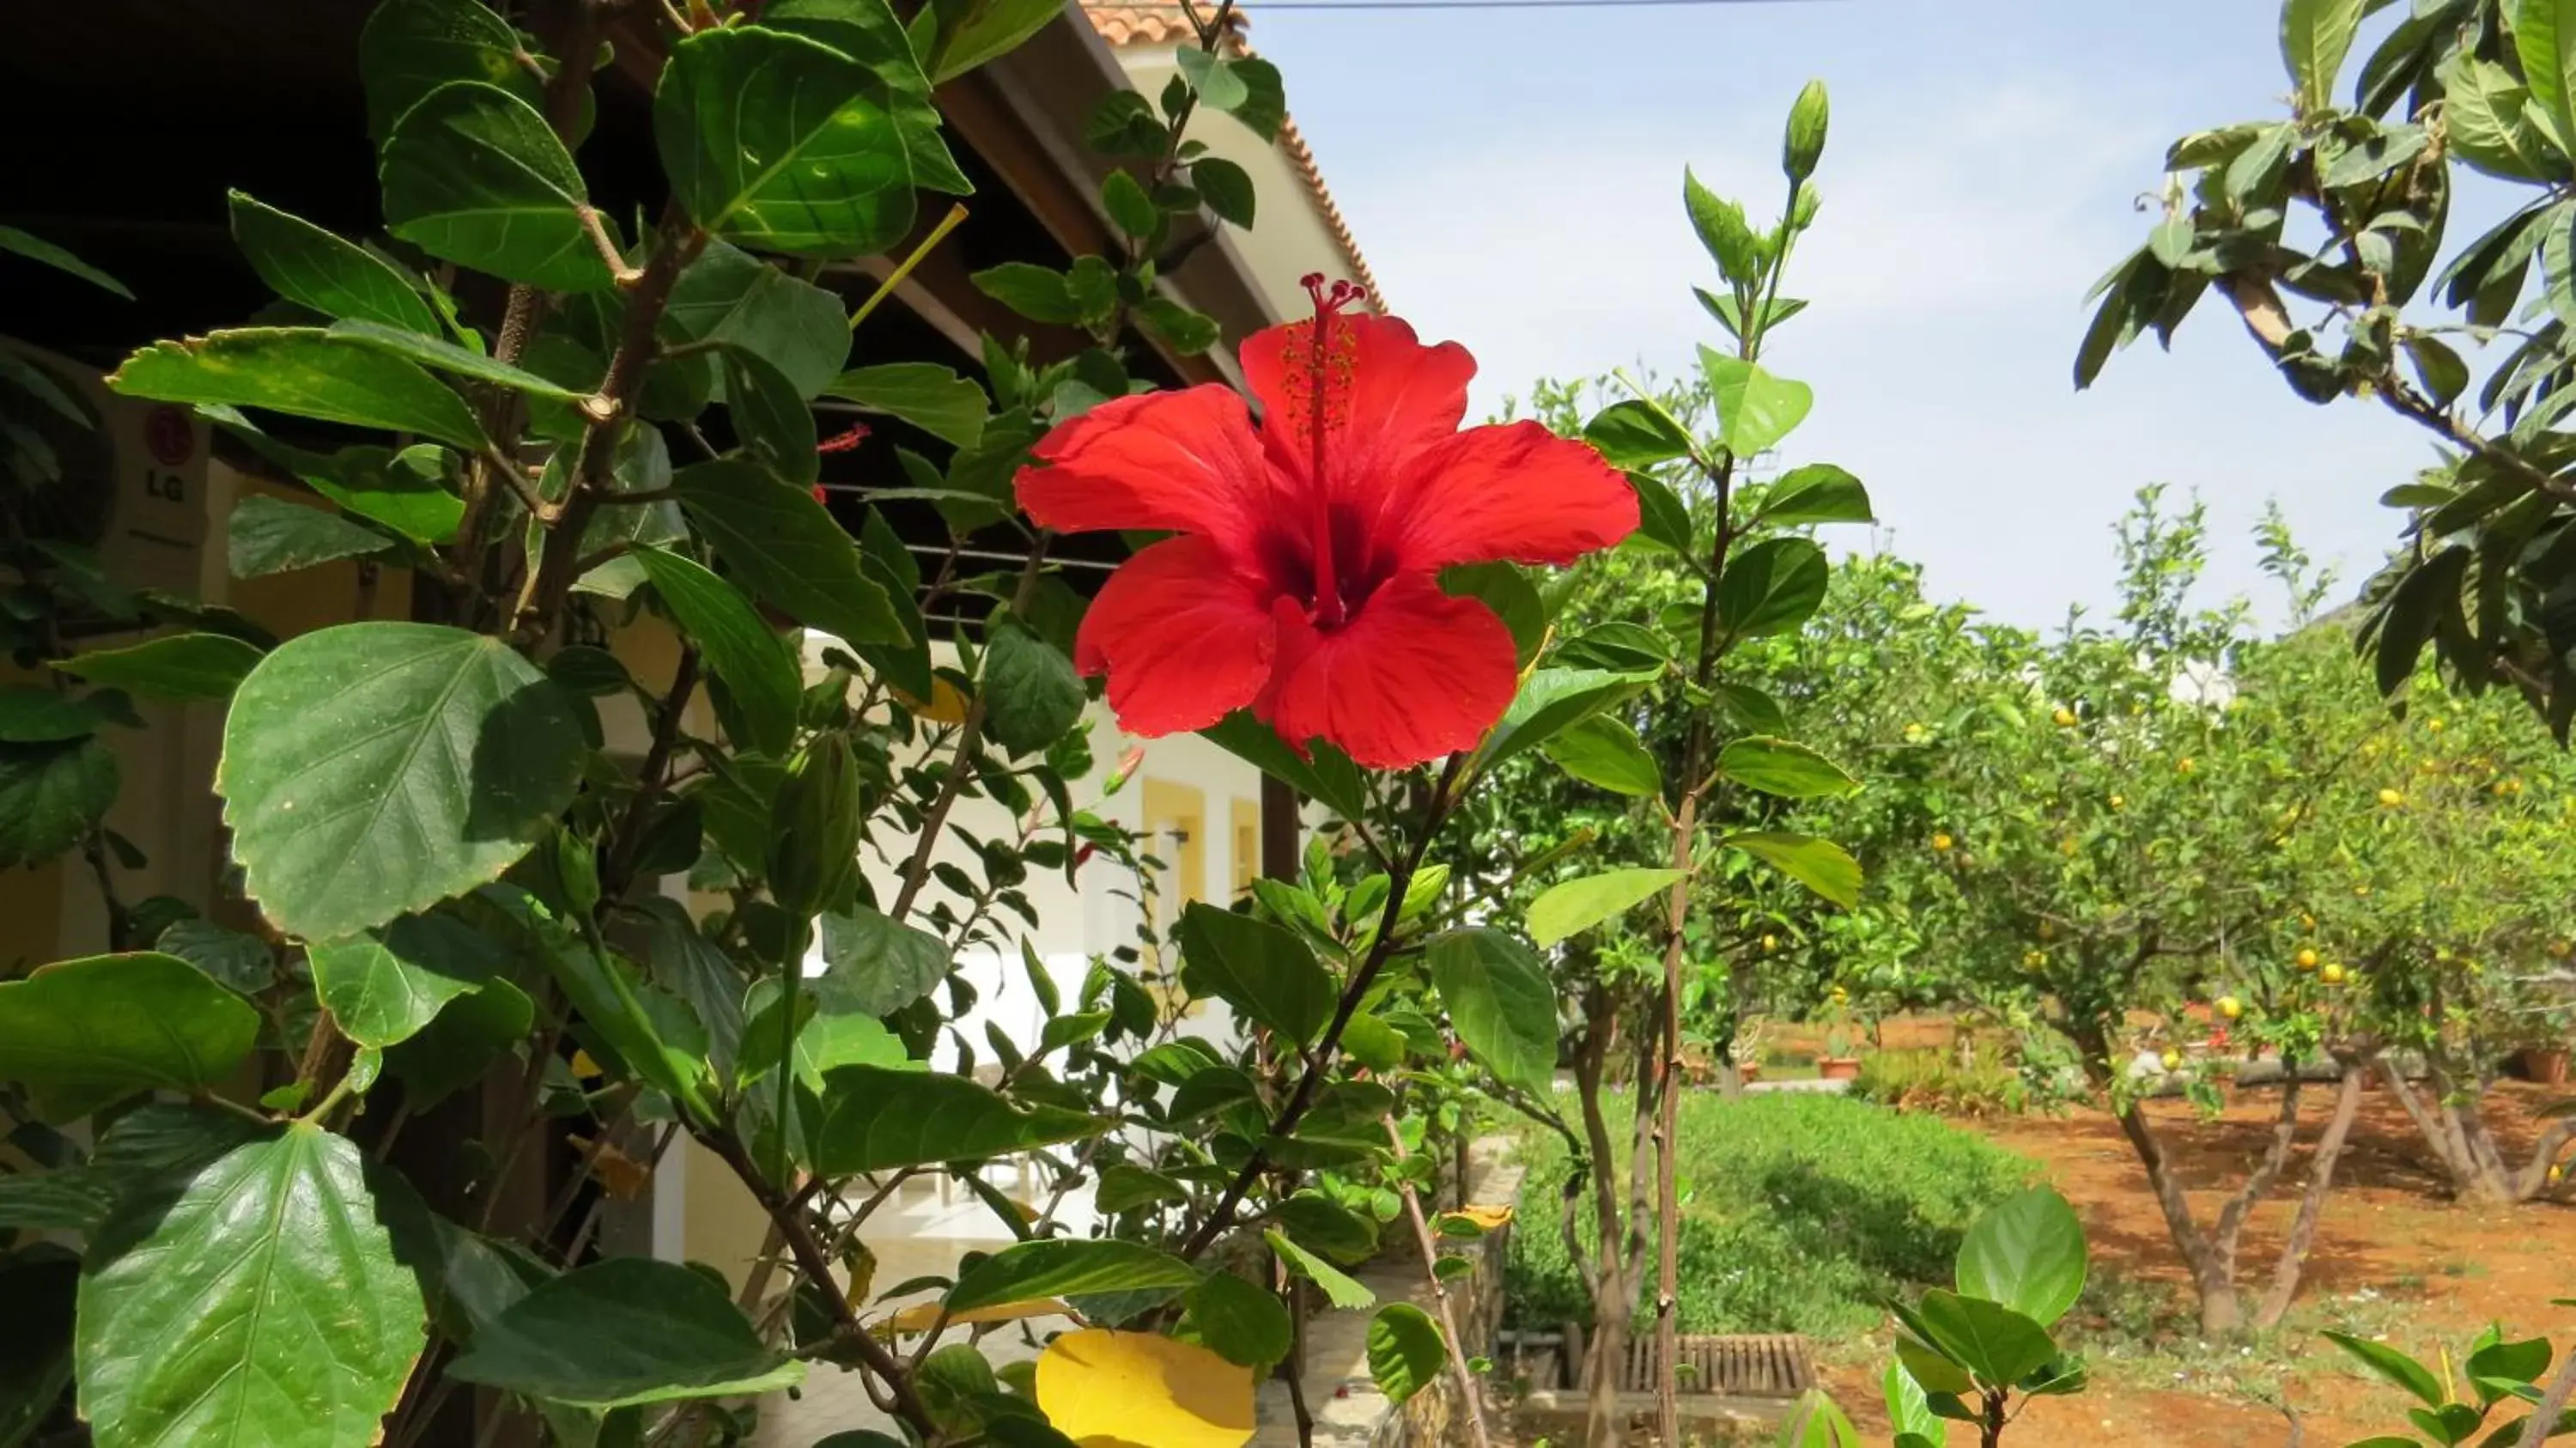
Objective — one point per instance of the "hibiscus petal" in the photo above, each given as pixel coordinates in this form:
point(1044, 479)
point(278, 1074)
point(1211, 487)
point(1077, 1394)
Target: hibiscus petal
point(1182, 635)
point(1386, 396)
point(1416, 674)
point(1186, 461)
point(1517, 491)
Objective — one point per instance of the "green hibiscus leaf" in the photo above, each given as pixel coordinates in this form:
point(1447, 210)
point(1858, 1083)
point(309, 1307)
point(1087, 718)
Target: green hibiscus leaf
point(270, 535)
point(311, 267)
point(786, 548)
point(51, 795)
point(304, 372)
point(626, 1331)
point(473, 174)
point(374, 769)
point(84, 1033)
point(267, 1291)
point(784, 143)
point(176, 666)
point(1499, 997)
point(876, 1118)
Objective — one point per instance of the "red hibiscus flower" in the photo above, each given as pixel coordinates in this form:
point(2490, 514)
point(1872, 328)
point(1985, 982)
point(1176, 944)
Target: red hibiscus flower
point(1303, 577)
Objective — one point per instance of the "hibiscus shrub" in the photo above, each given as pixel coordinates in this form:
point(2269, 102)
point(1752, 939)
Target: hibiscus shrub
point(250, 1131)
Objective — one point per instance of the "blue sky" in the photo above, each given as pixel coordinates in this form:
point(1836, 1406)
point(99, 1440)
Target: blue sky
point(1514, 179)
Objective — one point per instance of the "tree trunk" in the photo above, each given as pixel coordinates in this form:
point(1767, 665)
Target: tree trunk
point(1610, 1278)
point(2220, 1314)
point(2276, 1155)
point(2312, 1202)
point(1668, 1074)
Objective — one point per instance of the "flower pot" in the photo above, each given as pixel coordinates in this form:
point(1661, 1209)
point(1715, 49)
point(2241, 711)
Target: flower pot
point(1839, 1068)
point(2546, 1065)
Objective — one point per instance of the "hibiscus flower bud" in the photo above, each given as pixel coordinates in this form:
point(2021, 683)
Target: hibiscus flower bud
point(1127, 763)
point(1805, 143)
point(814, 854)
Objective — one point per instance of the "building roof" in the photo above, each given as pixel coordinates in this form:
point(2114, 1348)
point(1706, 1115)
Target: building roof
point(1165, 24)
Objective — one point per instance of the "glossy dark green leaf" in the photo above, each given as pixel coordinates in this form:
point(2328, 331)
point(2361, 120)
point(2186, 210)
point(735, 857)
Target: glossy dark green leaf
point(2544, 39)
point(1573, 906)
point(1783, 767)
point(1771, 587)
point(781, 142)
point(786, 548)
point(1123, 1188)
point(311, 267)
point(385, 986)
point(1054, 1267)
point(1661, 516)
point(30, 715)
point(1321, 1224)
point(730, 297)
point(1031, 694)
point(1225, 187)
point(174, 666)
point(412, 47)
point(1506, 590)
point(84, 1033)
point(2026, 1252)
point(758, 669)
point(1240, 1322)
point(875, 965)
point(1816, 493)
point(305, 372)
point(925, 394)
point(270, 535)
point(1553, 700)
point(51, 795)
point(1499, 998)
point(1406, 1352)
point(875, 1119)
point(1035, 292)
point(1635, 434)
point(1258, 968)
point(771, 421)
point(1264, 107)
point(1186, 332)
point(374, 769)
point(254, 1304)
point(1820, 865)
point(1993, 1341)
point(868, 32)
point(625, 1331)
point(473, 174)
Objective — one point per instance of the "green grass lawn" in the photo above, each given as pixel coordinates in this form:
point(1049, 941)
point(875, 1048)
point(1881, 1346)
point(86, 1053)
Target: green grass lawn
point(1799, 1213)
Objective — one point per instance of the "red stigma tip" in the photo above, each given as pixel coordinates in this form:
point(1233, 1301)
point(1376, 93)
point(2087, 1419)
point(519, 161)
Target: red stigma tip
point(845, 440)
point(1329, 300)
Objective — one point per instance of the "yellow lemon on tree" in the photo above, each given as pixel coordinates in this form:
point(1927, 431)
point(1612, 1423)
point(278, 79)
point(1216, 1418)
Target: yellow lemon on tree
point(2308, 923)
point(2064, 716)
point(2558, 949)
point(2183, 765)
point(2230, 1007)
point(2332, 974)
point(2361, 892)
point(2033, 959)
point(2047, 930)
point(2306, 959)
point(1913, 732)
point(2119, 802)
point(1840, 996)
point(1941, 841)
point(2066, 846)
point(1770, 943)
point(2172, 1059)
point(2557, 1173)
point(2391, 799)
point(2433, 724)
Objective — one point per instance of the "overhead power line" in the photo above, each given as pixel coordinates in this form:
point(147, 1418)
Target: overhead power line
point(1273, 7)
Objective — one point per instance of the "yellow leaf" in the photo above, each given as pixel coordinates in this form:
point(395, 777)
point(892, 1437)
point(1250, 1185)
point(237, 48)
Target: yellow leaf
point(922, 1316)
point(585, 1068)
point(1107, 1389)
point(1487, 1216)
point(946, 706)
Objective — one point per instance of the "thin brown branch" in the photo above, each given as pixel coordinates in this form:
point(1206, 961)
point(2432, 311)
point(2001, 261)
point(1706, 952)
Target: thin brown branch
point(1465, 1380)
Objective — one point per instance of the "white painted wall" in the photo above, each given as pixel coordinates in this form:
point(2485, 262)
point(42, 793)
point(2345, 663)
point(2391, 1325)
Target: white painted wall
point(1097, 912)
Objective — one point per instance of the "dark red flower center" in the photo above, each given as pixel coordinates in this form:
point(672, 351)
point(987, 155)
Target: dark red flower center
point(1337, 567)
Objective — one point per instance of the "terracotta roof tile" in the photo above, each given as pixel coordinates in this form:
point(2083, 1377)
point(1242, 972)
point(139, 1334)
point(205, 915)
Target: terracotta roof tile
point(1165, 24)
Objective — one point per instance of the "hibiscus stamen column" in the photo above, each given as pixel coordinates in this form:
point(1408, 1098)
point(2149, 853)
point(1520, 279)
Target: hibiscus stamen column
point(1321, 357)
